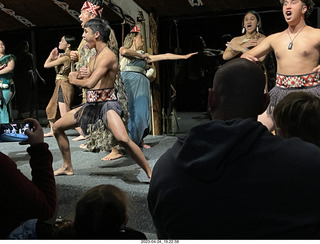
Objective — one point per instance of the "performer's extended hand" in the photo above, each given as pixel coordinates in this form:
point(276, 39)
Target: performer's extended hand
point(190, 55)
point(250, 57)
point(54, 54)
point(35, 133)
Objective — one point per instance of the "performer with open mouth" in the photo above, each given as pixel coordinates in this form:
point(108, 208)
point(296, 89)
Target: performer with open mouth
point(297, 51)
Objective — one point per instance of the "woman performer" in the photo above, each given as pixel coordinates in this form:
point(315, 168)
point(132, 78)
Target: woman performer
point(251, 28)
point(133, 65)
point(251, 25)
point(7, 63)
point(63, 92)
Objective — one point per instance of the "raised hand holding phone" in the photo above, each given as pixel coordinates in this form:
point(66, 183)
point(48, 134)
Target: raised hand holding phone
point(34, 133)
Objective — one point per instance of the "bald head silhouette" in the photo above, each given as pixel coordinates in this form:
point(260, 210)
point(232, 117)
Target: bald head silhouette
point(238, 91)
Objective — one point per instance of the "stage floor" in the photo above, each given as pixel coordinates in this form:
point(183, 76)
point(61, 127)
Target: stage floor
point(91, 171)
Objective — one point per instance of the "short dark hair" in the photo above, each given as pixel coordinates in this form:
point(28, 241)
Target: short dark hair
point(298, 115)
point(239, 85)
point(101, 26)
point(308, 3)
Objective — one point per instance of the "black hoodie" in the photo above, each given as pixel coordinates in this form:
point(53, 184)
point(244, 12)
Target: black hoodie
point(235, 180)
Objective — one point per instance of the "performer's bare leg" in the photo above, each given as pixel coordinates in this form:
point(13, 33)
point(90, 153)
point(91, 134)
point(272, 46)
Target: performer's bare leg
point(59, 127)
point(267, 120)
point(63, 108)
point(50, 133)
point(116, 126)
point(82, 135)
point(114, 154)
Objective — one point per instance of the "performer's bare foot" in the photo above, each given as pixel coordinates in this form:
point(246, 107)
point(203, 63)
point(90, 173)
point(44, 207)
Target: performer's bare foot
point(83, 146)
point(113, 155)
point(79, 138)
point(63, 171)
point(146, 146)
point(143, 145)
point(49, 134)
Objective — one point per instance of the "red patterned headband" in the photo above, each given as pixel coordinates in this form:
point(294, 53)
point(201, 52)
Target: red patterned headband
point(91, 8)
point(135, 29)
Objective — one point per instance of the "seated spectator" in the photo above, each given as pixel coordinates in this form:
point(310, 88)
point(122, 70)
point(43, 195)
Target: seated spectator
point(231, 178)
point(298, 115)
point(101, 213)
point(23, 199)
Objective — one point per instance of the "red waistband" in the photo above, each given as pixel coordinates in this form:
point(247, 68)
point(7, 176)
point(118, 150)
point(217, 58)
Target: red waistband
point(295, 81)
point(101, 95)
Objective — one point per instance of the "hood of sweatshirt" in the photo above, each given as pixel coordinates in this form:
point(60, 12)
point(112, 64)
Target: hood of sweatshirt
point(208, 148)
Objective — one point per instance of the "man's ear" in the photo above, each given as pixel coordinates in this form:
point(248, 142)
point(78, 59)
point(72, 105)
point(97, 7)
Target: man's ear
point(212, 100)
point(96, 34)
point(304, 9)
point(265, 102)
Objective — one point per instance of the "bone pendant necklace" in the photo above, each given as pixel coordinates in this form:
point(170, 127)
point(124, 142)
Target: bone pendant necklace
point(291, 43)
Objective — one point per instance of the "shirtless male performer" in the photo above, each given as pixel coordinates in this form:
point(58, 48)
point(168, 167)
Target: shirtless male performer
point(91, 9)
point(297, 51)
point(101, 97)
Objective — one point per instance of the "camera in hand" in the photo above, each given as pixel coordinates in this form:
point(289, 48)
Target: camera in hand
point(14, 132)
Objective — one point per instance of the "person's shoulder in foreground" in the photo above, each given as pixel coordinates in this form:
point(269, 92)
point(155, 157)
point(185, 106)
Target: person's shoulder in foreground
point(231, 178)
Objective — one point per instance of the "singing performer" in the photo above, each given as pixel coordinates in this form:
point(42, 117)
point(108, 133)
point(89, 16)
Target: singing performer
point(297, 51)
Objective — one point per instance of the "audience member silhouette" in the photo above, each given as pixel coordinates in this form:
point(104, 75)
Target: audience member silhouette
point(101, 213)
point(298, 115)
point(231, 178)
point(24, 199)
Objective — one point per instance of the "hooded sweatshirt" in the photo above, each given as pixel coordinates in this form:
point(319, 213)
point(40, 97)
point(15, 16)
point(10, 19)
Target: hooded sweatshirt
point(235, 180)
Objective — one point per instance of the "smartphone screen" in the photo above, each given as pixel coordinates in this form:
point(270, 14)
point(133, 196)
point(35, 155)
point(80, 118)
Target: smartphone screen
point(13, 132)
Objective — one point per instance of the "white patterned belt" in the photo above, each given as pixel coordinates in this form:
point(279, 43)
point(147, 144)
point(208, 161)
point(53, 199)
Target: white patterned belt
point(137, 69)
point(296, 81)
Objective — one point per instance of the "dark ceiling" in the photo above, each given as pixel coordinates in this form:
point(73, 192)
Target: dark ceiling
point(44, 22)
point(17, 14)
